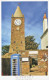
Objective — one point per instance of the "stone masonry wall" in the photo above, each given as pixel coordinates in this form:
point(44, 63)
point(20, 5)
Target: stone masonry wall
point(25, 68)
point(43, 60)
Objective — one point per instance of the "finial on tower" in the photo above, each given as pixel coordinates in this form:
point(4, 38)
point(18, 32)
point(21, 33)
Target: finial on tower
point(12, 15)
point(44, 17)
point(19, 3)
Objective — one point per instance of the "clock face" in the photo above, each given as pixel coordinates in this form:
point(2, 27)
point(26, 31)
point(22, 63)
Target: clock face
point(17, 22)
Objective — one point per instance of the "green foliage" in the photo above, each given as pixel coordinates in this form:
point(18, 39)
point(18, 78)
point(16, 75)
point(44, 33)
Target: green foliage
point(5, 49)
point(33, 65)
point(30, 43)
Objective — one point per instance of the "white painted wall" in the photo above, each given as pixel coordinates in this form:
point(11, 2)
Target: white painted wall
point(44, 25)
point(44, 41)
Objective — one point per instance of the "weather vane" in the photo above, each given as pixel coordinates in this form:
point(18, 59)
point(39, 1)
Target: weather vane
point(19, 4)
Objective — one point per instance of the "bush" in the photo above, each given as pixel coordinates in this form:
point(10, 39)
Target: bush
point(33, 65)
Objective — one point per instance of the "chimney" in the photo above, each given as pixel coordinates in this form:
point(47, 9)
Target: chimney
point(44, 17)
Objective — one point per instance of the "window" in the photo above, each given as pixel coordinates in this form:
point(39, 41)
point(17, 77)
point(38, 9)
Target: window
point(13, 49)
point(14, 41)
point(21, 42)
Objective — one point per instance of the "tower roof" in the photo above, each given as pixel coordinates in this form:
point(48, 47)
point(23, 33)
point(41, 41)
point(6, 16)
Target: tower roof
point(44, 17)
point(18, 12)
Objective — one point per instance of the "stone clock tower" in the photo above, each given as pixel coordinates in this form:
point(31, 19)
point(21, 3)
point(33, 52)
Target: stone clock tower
point(17, 31)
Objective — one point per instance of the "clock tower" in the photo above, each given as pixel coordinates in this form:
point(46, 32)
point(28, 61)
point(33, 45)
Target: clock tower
point(17, 31)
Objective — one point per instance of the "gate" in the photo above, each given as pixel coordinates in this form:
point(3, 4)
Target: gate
point(15, 64)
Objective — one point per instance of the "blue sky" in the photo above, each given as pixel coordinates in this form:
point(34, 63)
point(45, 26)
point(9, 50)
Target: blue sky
point(33, 13)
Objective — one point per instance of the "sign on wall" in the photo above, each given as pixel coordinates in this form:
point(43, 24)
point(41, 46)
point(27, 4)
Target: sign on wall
point(33, 52)
point(25, 59)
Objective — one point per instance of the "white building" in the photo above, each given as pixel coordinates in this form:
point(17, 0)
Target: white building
point(44, 37)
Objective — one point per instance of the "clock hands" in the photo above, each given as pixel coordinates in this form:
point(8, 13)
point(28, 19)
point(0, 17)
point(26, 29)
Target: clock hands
point(17, 22)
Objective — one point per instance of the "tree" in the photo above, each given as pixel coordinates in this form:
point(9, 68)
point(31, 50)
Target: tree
point(5, 49)
point(30, 43)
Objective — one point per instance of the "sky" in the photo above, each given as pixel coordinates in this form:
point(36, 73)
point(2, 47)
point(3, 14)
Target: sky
point(33, 13)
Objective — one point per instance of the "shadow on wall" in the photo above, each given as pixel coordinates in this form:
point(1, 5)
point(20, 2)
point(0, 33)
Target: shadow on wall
point(6, 66)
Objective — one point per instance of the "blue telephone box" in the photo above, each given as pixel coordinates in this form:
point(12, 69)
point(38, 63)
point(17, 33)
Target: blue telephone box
point(15, 64)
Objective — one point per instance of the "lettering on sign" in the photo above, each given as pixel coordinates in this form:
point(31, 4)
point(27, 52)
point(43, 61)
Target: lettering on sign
point(15, 56)
point(33, 52)
point(25, 59)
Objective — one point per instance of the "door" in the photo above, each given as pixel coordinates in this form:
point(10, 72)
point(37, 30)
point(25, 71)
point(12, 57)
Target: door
point(14, 67)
